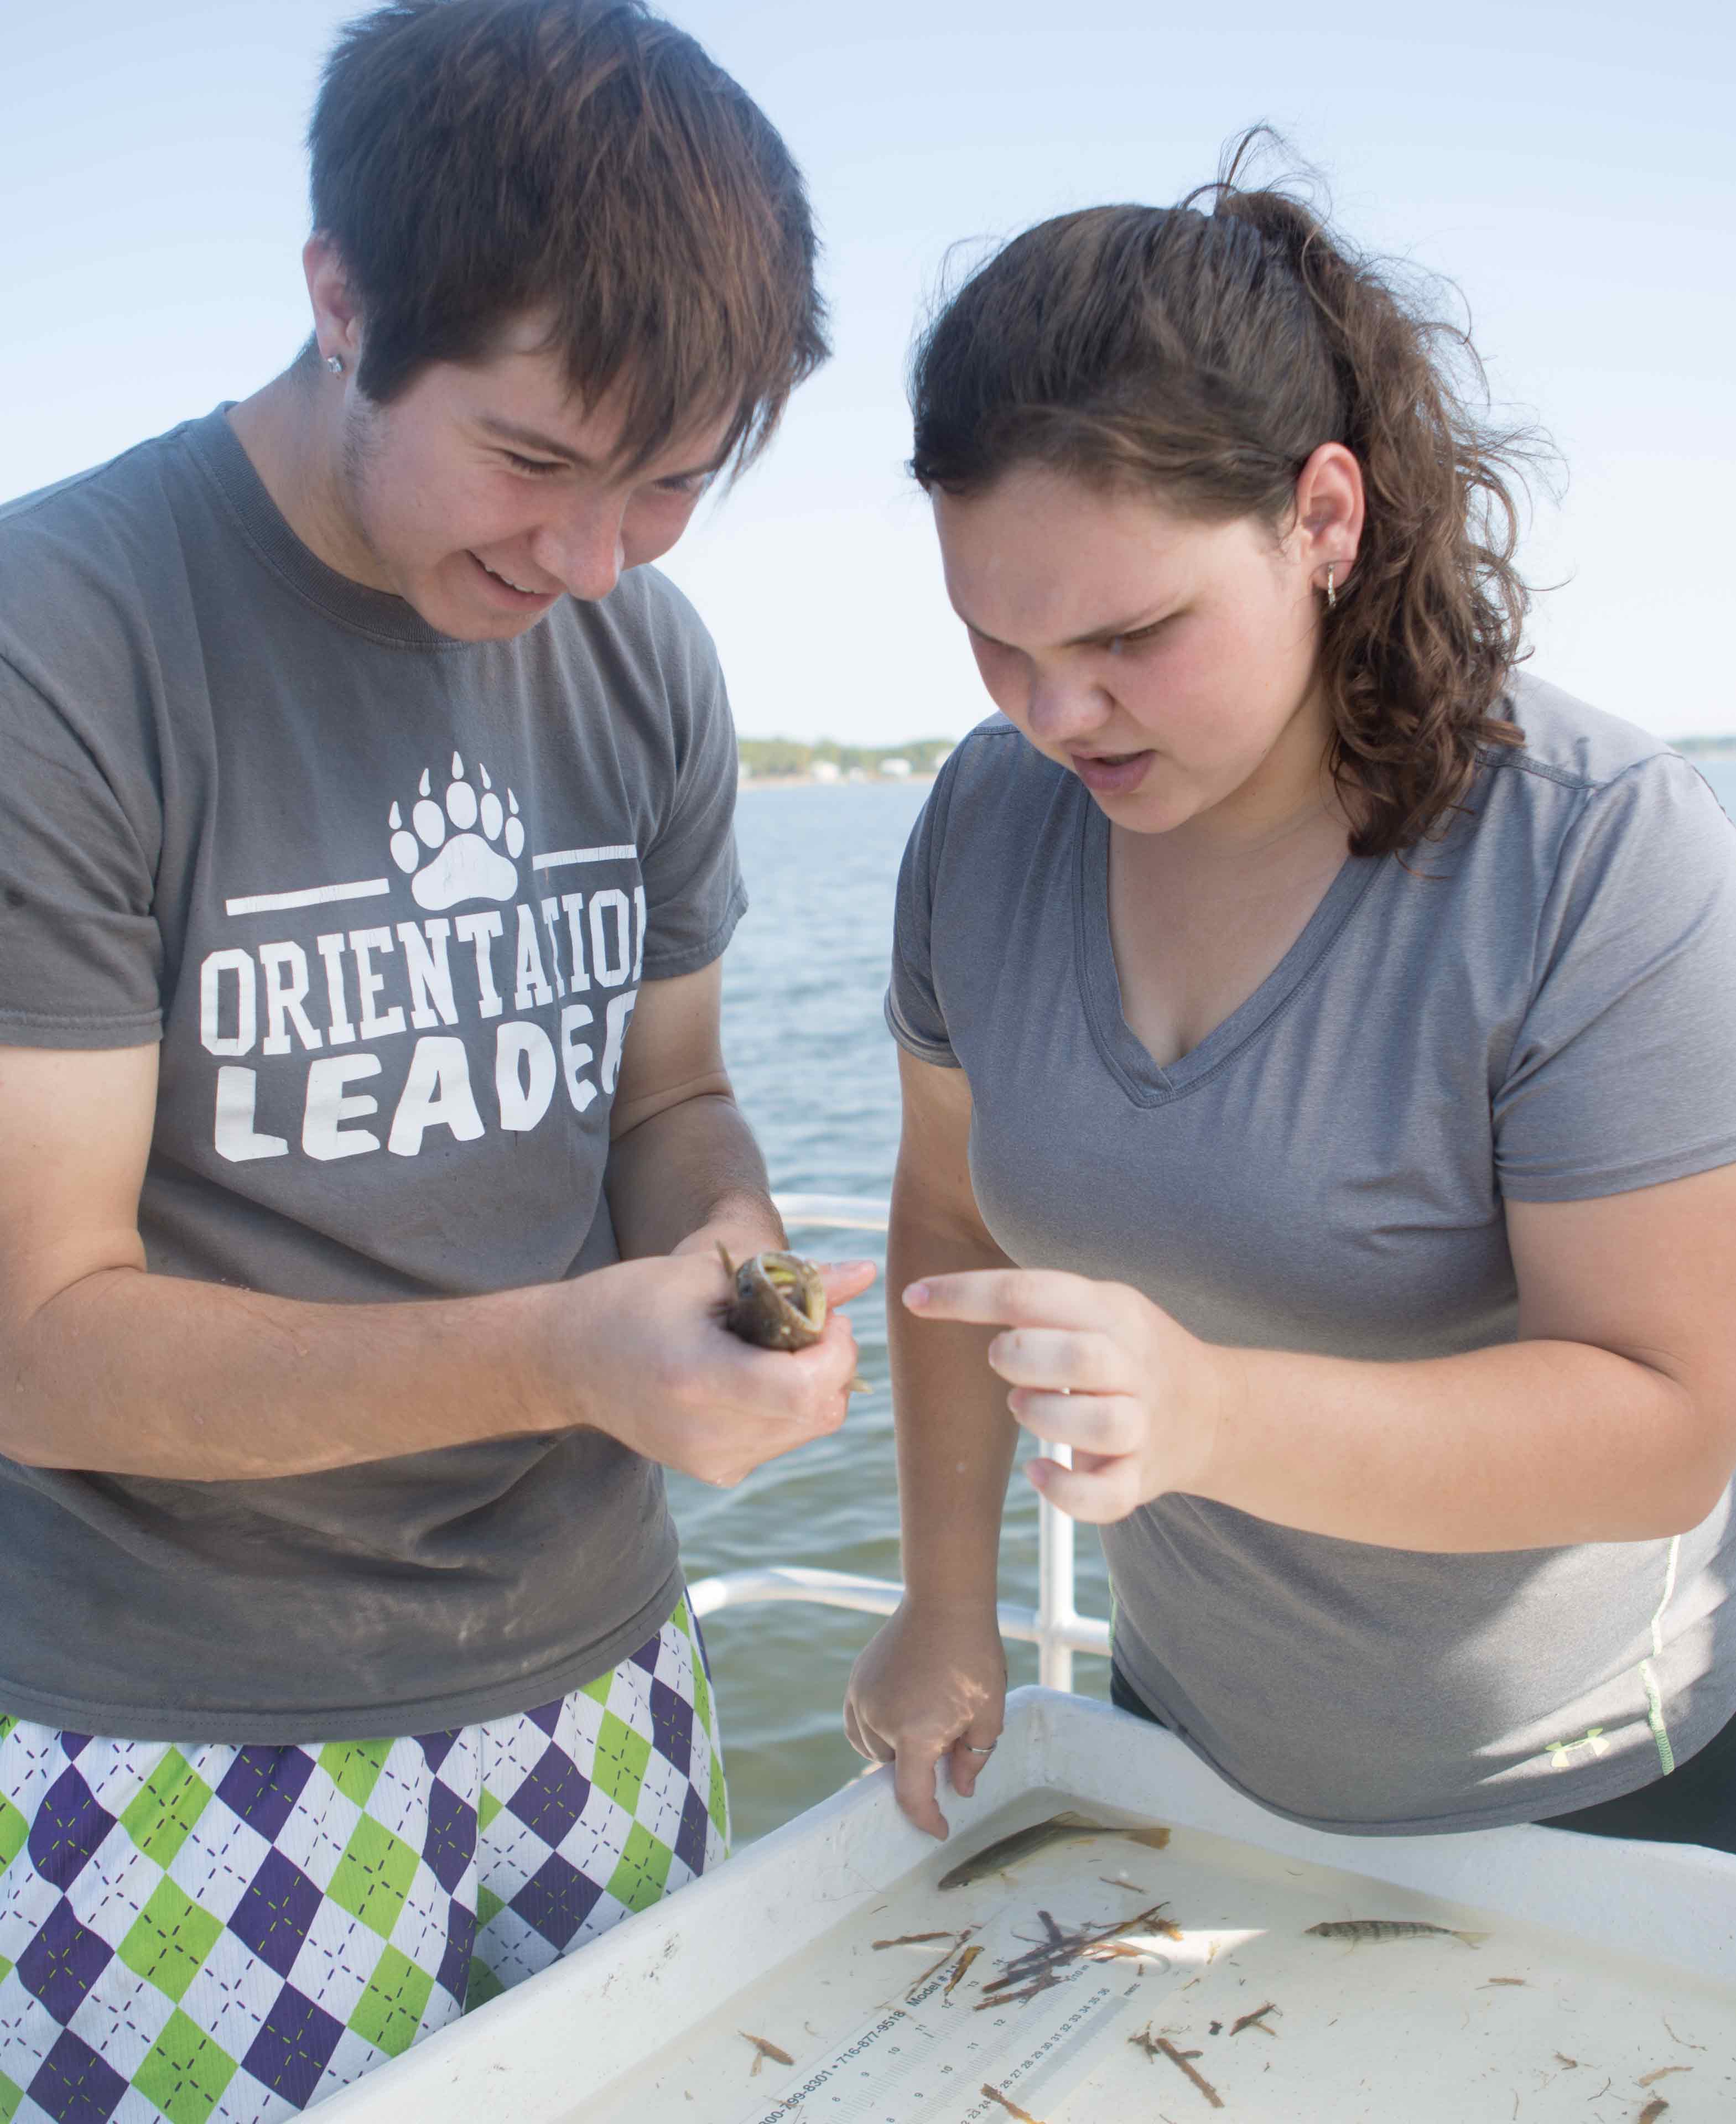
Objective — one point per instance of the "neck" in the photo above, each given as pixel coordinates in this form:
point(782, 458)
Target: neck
point(1290, 799)
point(293, 432)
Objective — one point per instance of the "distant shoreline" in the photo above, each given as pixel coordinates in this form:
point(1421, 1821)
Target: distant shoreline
point(857, 781)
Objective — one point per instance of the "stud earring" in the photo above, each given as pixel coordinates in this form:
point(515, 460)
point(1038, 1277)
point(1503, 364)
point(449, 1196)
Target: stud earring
point(335, 363)
point(1332, 595)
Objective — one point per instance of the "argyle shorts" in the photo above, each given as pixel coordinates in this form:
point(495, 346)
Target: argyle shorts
point(223, 1935)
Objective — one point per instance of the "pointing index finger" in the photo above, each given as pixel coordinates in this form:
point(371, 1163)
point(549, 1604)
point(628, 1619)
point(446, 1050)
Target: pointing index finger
point(1008, 1298)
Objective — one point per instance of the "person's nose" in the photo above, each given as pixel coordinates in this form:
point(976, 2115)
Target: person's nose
point(582, 547)
point(1062, 706)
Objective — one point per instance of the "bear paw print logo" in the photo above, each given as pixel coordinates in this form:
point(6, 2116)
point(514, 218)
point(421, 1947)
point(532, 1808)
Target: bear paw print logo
point(461, 860)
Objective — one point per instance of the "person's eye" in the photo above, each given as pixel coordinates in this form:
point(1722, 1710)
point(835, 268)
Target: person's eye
point(537, 467)
point(687, 483)
point(1118, 643)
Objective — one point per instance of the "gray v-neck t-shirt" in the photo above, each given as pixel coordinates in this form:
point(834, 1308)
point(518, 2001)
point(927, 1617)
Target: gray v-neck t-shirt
point(1540, 1008)
point(385, 899)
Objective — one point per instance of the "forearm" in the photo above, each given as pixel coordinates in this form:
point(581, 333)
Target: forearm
point(125, 1373)
point(693, 1167)
point(956, 1436)
point(1530, 1445)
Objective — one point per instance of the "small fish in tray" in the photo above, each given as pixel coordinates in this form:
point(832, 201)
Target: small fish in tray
point(1024, 1843)
point(1378, 1931)
point(777, 1302)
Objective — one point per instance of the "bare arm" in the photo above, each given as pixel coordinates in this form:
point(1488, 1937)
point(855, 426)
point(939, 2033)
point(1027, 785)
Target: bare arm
point(933, 1680)
point(109, 1368)
point(956, 1438)
point(684, 1167)
point(1612, 1419)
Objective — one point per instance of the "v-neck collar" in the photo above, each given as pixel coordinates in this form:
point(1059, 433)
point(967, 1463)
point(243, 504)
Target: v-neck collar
point(1125, 1056)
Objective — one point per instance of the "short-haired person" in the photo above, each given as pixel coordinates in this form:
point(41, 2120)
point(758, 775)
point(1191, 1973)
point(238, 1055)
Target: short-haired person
point(1319, 1108)
point(363, 787)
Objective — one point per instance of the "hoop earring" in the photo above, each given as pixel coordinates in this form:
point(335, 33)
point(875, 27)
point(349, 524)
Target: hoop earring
point(1332, 595)
point(335, 363)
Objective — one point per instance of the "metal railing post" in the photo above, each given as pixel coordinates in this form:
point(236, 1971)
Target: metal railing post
point(1056, 1617)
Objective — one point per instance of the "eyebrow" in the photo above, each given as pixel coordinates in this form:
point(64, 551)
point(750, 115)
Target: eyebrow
point(533, 438)
point(1094, 638)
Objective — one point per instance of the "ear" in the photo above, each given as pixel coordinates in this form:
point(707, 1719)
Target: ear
point(337, 324)
point(1330, 511)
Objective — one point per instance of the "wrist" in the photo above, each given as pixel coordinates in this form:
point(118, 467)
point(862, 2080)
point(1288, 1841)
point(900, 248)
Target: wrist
point(973, 1597)
point(744, 1225)
point(551, 1336)
point(1221, 1395)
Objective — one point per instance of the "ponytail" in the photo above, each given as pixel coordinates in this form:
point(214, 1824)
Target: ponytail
point(1205, 356)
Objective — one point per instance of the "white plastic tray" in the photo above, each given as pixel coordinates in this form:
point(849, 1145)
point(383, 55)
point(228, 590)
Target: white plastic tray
point(1605, 1983)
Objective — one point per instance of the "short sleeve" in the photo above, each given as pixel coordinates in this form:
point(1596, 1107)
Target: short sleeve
point(913, 1011)
point(81, 954)
point(694, 887)
point(1620, 1073)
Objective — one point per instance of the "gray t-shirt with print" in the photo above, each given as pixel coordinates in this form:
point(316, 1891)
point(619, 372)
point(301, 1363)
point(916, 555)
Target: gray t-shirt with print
point(1542, 1009)
point(386, 899)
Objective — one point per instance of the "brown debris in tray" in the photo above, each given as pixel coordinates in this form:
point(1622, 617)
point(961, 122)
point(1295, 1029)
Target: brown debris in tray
point(1035, 1968)
point(763, 2050)
point(1012, 2108)
point(1181, 2060)
point(934, 1968)
point(965, 1959)
point(1257, 2019)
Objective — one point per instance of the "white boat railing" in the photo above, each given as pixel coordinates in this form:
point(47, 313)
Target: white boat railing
point(1054, 1625)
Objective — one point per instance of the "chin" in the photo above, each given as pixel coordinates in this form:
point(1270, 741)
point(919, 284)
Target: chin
point(460, 620)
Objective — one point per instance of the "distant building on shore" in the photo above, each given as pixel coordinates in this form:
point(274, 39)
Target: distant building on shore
point(770, 760)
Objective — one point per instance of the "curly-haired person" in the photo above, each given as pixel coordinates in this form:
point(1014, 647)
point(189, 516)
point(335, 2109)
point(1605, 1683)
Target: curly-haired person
point(1317, 1038)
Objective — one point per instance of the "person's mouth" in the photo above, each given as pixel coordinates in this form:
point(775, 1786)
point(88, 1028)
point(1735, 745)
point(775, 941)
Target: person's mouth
point(522, 595)
point(1111, 774)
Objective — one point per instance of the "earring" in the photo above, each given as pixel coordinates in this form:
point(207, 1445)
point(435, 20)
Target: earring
point(1332, 595)
point(335, 363)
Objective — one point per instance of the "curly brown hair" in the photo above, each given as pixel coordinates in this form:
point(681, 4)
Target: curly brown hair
point(1205, 355)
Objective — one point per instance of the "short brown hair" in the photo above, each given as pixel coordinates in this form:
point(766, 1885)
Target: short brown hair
point(476, 160)
point(1204, 356)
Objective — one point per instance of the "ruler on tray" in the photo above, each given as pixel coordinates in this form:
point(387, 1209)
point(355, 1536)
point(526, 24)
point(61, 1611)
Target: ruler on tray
point(926, 2061)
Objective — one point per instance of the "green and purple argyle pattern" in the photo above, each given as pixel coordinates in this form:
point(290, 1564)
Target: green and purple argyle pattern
point(223, 1935)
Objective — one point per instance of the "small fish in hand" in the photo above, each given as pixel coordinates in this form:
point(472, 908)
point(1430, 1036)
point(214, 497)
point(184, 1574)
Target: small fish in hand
point(777, 1302)
point(1358, 1930)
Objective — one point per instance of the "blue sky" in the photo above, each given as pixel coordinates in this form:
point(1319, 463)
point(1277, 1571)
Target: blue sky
point(1570, 167)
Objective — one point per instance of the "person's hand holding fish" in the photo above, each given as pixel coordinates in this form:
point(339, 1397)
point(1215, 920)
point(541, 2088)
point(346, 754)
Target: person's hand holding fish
point(1098, 1367)
point(670, 1380)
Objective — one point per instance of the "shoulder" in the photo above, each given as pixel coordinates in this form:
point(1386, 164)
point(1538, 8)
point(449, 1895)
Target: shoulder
point(1592, 827)
point(1583, 774)
point(995, 773)
point(110, 509)
point(655, 658)
point(94, 567)
point(647, 619)
point(1573, 751)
